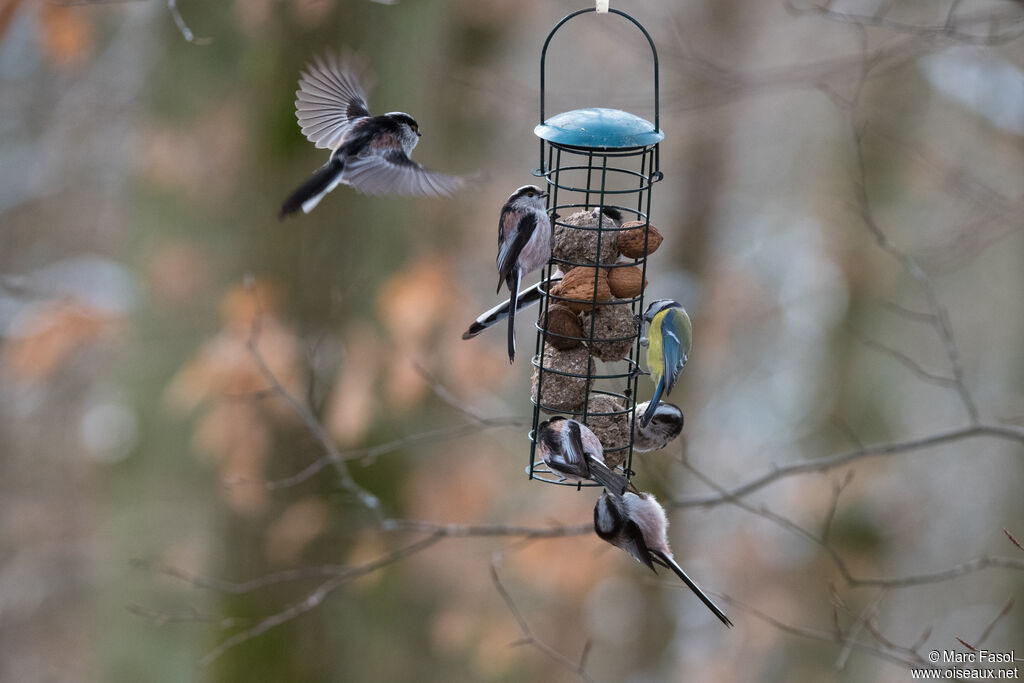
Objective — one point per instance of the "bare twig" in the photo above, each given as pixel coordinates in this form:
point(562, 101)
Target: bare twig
point(370, 453)
point(854, 632)
point(962, 569)
point(940, 317)
point(242, 587)
point(912, 365)
point(337, 575)
point(317, 596)
point(179, 21)
point(438, 531)
point(187, 614)
point(837, 490)
point(367, 499)
point(443, 393)
point(576, 667)
point(969, 567)
point(954, 31)
point(901, 656)
point(487, 530)
point(908, 313)
point(922, 639)
point(725, 85)
point(988, 629)
point(1004, 432)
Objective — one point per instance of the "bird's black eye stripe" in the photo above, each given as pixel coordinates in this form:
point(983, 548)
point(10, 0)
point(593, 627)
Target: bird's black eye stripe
point(410, 121)
point(607, 517)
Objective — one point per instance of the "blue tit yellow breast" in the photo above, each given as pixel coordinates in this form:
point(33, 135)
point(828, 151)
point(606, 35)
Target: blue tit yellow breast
point(655, 357)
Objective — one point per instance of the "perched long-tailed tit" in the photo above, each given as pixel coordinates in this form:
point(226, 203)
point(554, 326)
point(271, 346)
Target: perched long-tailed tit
point(665, 425)
point(636, 523)
point(524, 245)
point(668, 341)
point(368, 153)
point(575, 453)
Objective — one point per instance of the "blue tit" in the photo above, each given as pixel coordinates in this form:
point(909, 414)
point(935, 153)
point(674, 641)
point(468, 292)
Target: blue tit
point(524, 245)
point(368, 153)
point(666, 425)
point(636, 523)
point(575, 453)
point(668, 340)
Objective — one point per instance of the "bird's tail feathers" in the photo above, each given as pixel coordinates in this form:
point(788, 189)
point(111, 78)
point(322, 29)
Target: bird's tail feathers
point(309, 194)
point(613, 481)
point(525, 298)
point(652, 407)
point(515, 279)
point(667, 561)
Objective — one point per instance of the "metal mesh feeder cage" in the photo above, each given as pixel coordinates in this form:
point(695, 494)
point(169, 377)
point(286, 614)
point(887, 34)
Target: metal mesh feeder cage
point(599, 165)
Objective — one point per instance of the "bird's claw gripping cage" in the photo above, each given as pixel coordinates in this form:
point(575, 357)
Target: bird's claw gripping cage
point(599, 165)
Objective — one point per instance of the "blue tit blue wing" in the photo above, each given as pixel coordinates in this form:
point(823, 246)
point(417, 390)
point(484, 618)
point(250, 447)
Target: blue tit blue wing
point(672, 347)
point(514, 231)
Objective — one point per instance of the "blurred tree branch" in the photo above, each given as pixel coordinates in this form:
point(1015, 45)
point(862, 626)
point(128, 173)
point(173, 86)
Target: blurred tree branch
point(367, 499)
point(954, 28)
point(576, 667)
point(824, 464)
point(179, 21)
point(339, 575)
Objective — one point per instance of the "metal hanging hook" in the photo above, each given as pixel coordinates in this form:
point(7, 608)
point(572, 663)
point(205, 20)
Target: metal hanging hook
point(650, 42)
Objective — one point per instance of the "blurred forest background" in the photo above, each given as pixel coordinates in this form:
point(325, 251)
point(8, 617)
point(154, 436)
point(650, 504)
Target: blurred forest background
point(200, 404)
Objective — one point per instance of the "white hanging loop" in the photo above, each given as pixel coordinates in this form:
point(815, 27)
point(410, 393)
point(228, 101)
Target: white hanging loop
point(602, 6)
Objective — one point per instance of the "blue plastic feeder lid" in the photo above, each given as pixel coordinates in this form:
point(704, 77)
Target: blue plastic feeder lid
point(599, 128)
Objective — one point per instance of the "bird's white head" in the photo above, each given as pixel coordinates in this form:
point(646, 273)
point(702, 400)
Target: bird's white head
point(527, 197)
point(408, 129)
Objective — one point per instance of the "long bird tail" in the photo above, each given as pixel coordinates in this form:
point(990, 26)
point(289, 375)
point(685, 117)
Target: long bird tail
point(313, 190)
point(526, 298)
point(515, 278)
point(667, 561)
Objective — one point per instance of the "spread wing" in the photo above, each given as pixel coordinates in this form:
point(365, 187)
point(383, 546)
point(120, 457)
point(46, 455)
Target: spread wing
point(393, 172)
point(674, 346)
point(514, 231)
point(329, 100)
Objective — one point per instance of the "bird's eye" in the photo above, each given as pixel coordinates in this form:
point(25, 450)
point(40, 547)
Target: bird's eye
point(529, 194)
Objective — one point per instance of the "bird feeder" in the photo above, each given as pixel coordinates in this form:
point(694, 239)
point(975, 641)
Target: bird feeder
point(599, 165)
